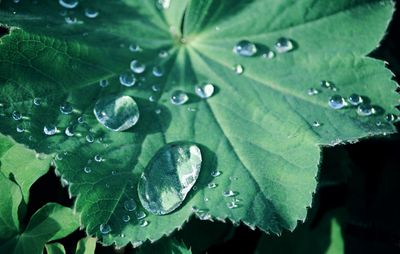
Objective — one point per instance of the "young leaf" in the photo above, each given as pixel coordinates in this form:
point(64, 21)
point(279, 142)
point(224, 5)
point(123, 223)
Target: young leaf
point(86, 245)
point(51, 222)
point(55, 248)
point(259, 128)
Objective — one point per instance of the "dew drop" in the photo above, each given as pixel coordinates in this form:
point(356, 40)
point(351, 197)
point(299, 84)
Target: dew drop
point(71, 20)
point(245, 48)
point(126, 218)
point(337, 102)
point(169, 177)
point(163, 4)
point(313, 91)
point(89, 138)
point(232, 205)
point(50, 129)
point(16, 115)
point(87, 170)
point(269, 54)
point(157, 111)
point(391, 117)
point(117, 113)
point(130, 205)
point(283, 45)
point(238, 69)
point(355, 99)
point(70, 131)
point(328, 85)
point(98, 158)
point(69, 4)
point(143, 223)
point(20, 128)
point(91, 13)
point(316, 124)
point(105, 229)
point(216, 173)
point(365, 109)
point(158, 71)
point(104, 83)
point(204, 90)
point(127, 79)
point(155, 88)
point(212, 185)
point(140, 215)
point(66, 108)
point(135, 48)
point(163, 54)
point(37, 101)
point(229, 193)
point(179, 97)
point(137, 67)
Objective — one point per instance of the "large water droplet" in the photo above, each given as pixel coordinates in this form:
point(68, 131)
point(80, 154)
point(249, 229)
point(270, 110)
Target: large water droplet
point(179, 97)
point(355, 99)
point(169, 176)
point(69, 4)
point(50, 129)
point(245, 48)
point(66, 108)
point(137, 67)
point(105, 229)
point(116, 112)
point(91, 13)
point(204, 90)
point(130, 205)
point(283, 45)
point(365, 109)
point(337, 102)
point(127, 79)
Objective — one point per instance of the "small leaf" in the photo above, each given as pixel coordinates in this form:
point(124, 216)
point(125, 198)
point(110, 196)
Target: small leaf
point(166, 246)
point(86, 245)
point(55, 248)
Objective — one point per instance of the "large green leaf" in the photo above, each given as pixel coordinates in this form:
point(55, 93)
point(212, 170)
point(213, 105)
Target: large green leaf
point(51, 222)
point(257, 129)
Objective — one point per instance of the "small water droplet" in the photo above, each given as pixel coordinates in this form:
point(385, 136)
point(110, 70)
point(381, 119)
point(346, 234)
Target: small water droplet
point(155, 88)
point(50, 129)
point(245, 48)
point(20, 128)
point(169, 177)
point(152, 98)
point(158, 71)
point(269, 54)
point(114, 172)
point(140, 215)
point(163, 54)
point(126, 218)
point(163, 4)
point(313, 91)
point(69, 4)
point(232, 205)
point(216, 173)
point(70, 131)
point(16, 115)
point(337, 102)
point(66, 108)
point(212, 185)
point(283, 45)
point(179, 97)
point(37, 101)
point(378, 123)
point(91, 13)
point(130, 205)
point(81, 119)
point(391, 117)
point(143, 223)
point(58, 157)
point(122, 235)
point(365, 109)
point(127, 79)
point(104, 82)
point(238, 69)
point(137, 67)
point(316, 124)
point(117, 113)
point(98, 158)
point(71, 20)
point(204, 90)
point(229, 193)
point(355, 99)
point(135, 48)
point(105, 229)
point(89, 138)
point(87, 170)
point(328, 85)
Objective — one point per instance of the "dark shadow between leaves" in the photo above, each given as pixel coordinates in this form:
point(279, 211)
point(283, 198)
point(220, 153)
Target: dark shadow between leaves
point(4, 31)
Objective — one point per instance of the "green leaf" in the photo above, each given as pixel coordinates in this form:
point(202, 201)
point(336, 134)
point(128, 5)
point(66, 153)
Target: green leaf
point(165, 246)
point(55, 248)
point(11, 198)
point(86, 245)
point(257, 128)
point(51, 222)
point(21, 164)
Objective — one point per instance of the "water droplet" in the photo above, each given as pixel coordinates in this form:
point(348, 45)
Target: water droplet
point(232, 205)
point(229, 193)
point(81, 119)
point(71, 20)
point(179, 97)
point(135, 48)
point(117, 113)
point(50, 129)
point(58, 157)
point(104, 82)
point(91, 13)
point(122, 235)
point(126, 218)
point(365, 109)
point(391, 117)
point(216, 173)
point(238, 69)
point(20, 128)
point(69, 4)
point(158, 71)
point(204, 90)
point(283, 45)
point(355, 99)
point(16, 115)
point(328, 85)
point(152, 98)
point(37, 101)
point(66, 108)
point(157, 111)
point(378, 123)
point(114, 172)
point(337, 102)
point(163, 54)
point(127, 79)
point(316, 124)
point(130, 205)
point(105, 229)
point(87, 170)
point(137, 67)
point(155, 88)
point(269, 54)
point(89, 138)
point(312, 91)
point(70, 131)
point(143, 223)
point(140, 215)
point(163, 4)
point(98, 158)
point(169, 176)
point(245, 48)
point(212, 185)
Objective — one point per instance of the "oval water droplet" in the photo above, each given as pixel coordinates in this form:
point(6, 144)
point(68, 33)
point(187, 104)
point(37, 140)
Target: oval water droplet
point(212, 185)
point(130, 205)
point(70, 131)
point(98, 158)
point(104, 82)
point(312, 91)
point(69, 4)
point(216, 173)
point(116, 112)
point(158, 71)
point(20, 128)
point(155, 88)
point(238, 69)
point(365, 109)
point(66, 108)
point(391, 117)
point(91, 13)
point(143, 223)
point(179, 97)
point(50, 129)
point(169, 176)
point(283, 45)
point(140, 215)
point(87, 170)
point(105, 229)
point(229, 193)
point(37, 101)
point(16, 115)
point(137, 67)
point(337, 102)
point(355, 99)
point(127, 79)
point(89, 138)
point(316, 124)
point(204, 90)
point(126, 218)
point(245, 48)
